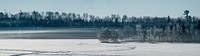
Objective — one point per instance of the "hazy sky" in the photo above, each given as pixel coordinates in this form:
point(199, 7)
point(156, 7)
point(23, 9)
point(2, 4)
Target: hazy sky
point(174, 8)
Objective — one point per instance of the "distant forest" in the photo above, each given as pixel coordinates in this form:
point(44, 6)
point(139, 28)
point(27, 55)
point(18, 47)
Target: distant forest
point(56, 19)
point(185, 28)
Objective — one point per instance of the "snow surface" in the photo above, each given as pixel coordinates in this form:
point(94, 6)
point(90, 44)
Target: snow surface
point(92, 47)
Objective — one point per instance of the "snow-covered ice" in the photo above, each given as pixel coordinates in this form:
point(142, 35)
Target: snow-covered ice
point(92, 47)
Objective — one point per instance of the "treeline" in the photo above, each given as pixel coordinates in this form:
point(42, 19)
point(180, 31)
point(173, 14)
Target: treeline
point(56, 19)
point(185, 28)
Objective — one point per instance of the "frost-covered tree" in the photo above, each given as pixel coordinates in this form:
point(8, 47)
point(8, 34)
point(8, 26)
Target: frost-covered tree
point(105, 36)
point(128, 32)
point(139, 32)
point(116, 36)
point(110, 36)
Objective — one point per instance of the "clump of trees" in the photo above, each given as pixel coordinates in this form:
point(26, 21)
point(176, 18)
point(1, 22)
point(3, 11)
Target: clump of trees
point(162, 29)
point(146, 28)
point(110, 36)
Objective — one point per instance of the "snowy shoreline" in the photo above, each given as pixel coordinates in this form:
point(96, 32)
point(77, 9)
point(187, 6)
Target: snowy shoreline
point(92, 47)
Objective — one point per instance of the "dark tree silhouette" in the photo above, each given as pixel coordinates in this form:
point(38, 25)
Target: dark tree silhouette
point(186, 12)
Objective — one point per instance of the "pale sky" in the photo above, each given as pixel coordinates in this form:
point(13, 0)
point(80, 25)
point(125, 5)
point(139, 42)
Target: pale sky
point(102, 8)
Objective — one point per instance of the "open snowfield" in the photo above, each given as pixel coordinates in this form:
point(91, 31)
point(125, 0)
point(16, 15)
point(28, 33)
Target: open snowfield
point(92, 47)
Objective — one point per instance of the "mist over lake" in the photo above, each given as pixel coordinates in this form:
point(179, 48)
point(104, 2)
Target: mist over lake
point(48, 33)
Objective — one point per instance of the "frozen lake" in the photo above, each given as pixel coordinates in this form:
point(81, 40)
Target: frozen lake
point(92, 47)
point(48, 33)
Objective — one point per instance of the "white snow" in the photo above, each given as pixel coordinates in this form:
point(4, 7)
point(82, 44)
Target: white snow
point(92, 47)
